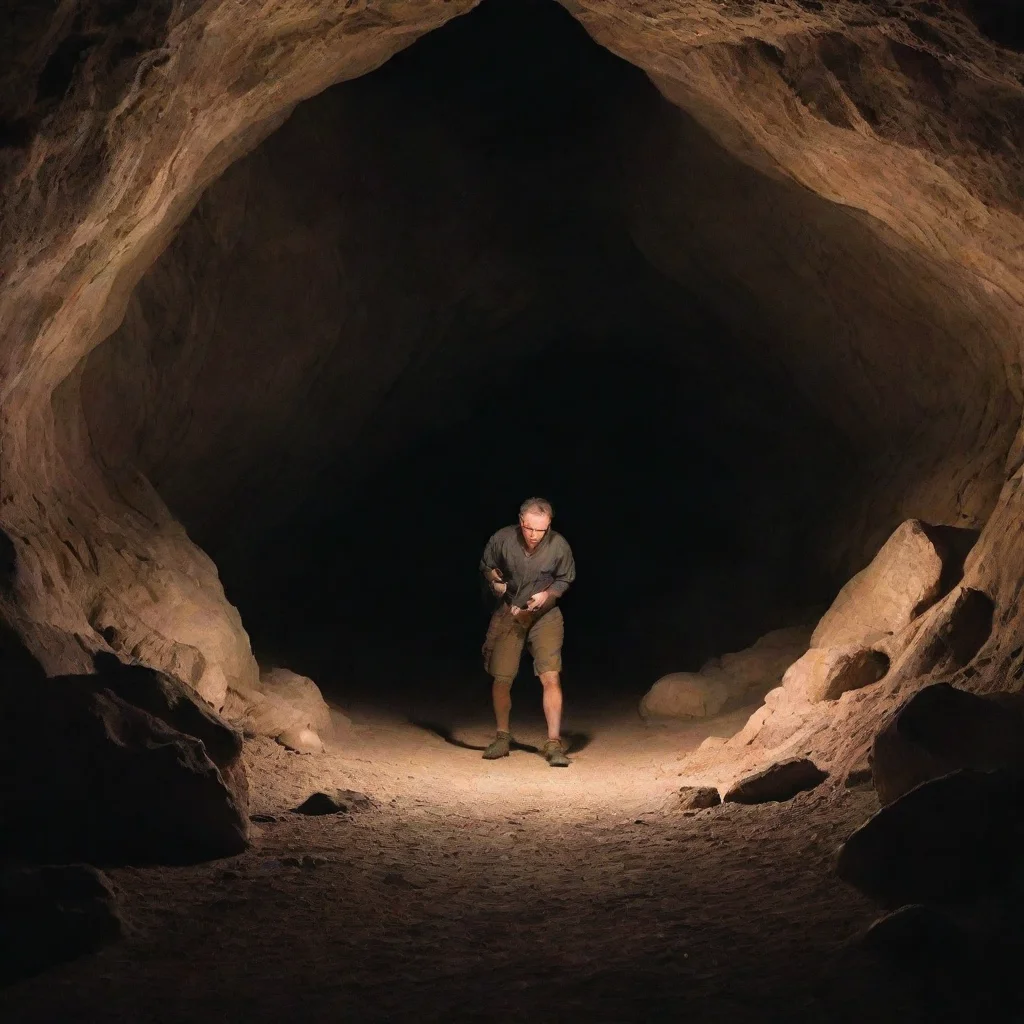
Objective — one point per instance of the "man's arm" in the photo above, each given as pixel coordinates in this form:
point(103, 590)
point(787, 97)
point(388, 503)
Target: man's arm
point(490, 569)
point(564, 574)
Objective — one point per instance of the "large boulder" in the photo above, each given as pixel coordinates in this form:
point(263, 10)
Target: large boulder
point(91, 776)
point(826, 673)
point(684, 695)
point(902, 580)
point(940, 729)
point(166, 698)
point(51, 914)
point(729, 681)
point(947, 840)
point(750, 673)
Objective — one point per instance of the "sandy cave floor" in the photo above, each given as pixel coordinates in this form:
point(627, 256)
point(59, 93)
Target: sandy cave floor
point(483, 890)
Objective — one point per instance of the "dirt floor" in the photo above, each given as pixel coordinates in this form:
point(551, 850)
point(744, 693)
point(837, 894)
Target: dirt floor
point(478, 891)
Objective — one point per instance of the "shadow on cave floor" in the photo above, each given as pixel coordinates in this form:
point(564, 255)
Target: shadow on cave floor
point(573, 741)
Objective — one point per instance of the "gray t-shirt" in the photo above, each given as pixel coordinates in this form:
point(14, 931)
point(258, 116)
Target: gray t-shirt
point(549, 567)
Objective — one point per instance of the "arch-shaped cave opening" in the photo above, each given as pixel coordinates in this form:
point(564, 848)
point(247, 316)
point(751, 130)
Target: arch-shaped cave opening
point(504, 264)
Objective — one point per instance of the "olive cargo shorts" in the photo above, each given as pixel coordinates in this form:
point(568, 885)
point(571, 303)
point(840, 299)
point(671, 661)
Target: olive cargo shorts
point(506, 635)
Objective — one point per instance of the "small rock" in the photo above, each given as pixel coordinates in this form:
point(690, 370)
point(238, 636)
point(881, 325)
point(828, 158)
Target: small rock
point(781, 781)
point(335, 801)
point(695, 798)
point(302, 741)
point(52, 914)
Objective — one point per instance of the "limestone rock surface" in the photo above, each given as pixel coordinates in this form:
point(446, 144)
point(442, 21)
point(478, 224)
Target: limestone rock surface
point(902, 580)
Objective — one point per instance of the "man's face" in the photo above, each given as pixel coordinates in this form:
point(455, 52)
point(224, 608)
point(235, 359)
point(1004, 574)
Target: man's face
point(533, 526)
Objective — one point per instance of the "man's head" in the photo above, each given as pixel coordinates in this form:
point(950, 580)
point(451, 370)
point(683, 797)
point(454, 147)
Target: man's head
point(535, 515)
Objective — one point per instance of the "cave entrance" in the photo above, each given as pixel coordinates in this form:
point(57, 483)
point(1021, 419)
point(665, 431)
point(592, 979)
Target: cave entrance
point(424, 299)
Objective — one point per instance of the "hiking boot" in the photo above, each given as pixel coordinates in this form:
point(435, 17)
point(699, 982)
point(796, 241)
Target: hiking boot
point(498, 747)
point(555, 754)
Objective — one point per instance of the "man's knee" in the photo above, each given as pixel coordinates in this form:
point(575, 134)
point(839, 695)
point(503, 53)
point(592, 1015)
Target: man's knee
point(549, 679)
point(503, 682)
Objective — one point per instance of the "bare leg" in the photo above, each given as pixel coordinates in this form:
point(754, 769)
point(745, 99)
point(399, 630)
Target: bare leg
point(552, 703)
point(501, 694)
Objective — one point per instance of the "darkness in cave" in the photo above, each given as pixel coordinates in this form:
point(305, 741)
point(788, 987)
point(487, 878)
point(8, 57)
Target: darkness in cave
point(685, 472)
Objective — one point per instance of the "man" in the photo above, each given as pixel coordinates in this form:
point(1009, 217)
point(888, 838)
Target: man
point(528, 567)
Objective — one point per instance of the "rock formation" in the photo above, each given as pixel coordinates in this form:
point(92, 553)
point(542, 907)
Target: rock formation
point(726, 682)
point(838, 182)
point(92, 775)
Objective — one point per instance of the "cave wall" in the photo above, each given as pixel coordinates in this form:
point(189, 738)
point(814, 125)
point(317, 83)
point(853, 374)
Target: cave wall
point(129, 121)
point(902, 354)
point(905, 117)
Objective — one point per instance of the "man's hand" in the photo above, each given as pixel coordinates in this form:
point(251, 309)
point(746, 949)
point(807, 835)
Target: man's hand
point(497, 582)
point(538, 601)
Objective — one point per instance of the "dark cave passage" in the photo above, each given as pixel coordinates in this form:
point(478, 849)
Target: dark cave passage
point(688, 505)
point(441, 288)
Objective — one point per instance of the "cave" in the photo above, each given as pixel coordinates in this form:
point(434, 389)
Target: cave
point(423, 299)
point(298, 309)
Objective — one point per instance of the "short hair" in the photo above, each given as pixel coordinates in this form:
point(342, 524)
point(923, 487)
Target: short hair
point(539, 505)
